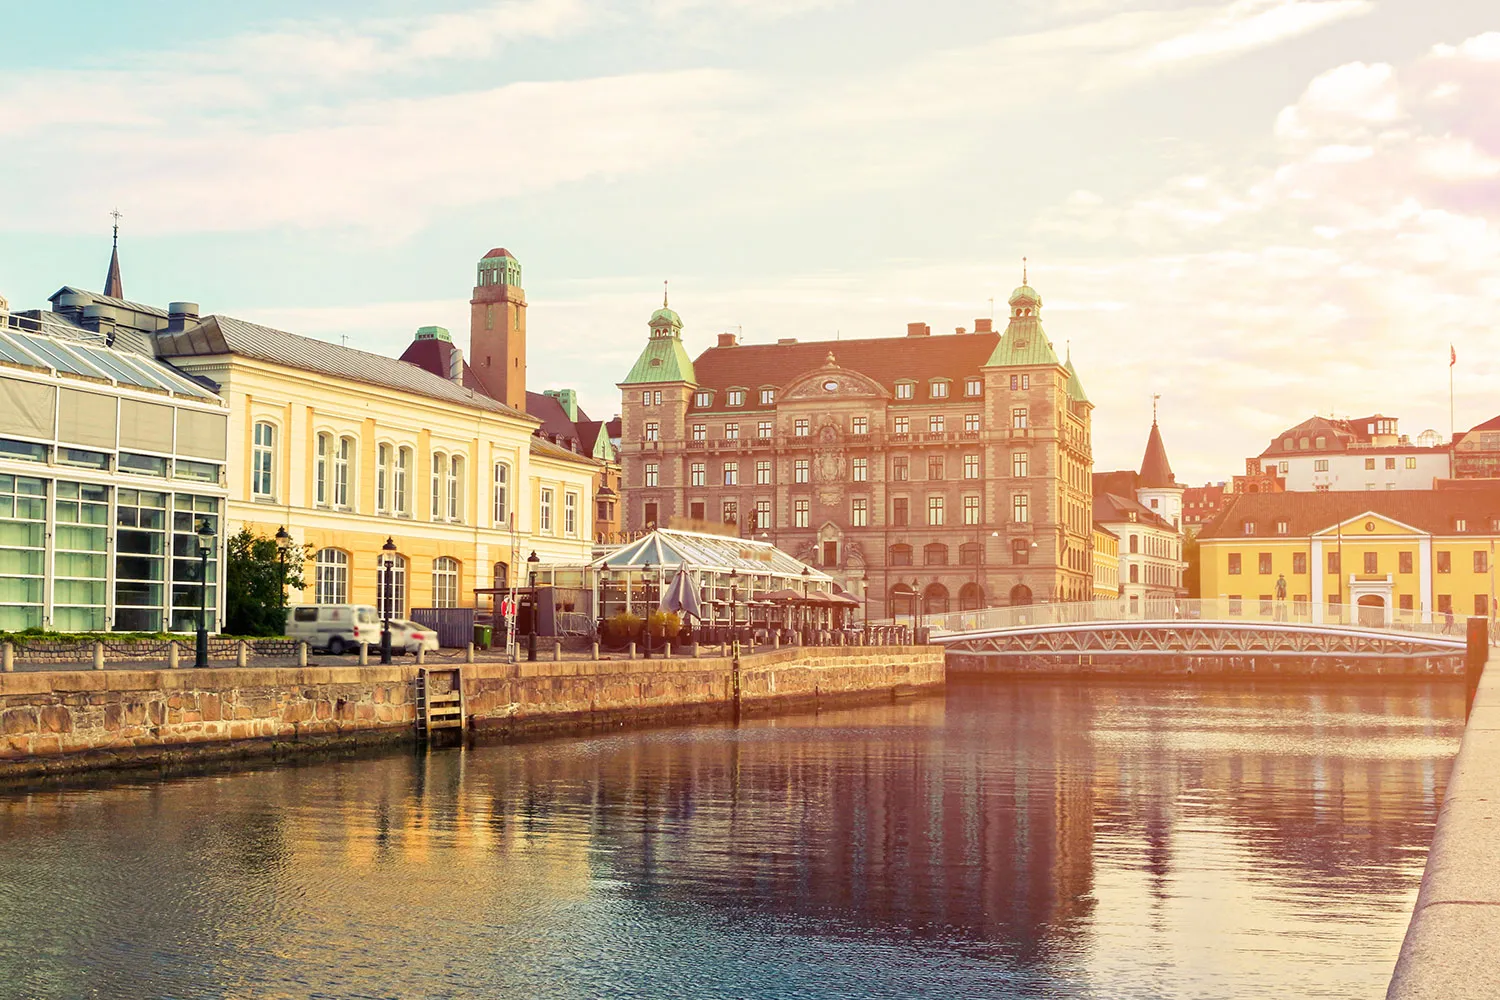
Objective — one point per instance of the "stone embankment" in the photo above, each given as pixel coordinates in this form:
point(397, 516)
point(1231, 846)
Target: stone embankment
point(1183, 666)
point(57, 721)
point(1450, 948)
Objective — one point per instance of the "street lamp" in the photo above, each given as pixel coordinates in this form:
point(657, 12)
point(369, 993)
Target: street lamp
point(205, 546)
point(734, 591)
point(806, 583)
point(283, 546)
point(388, 566)
point(646, 596)
point(531, 563)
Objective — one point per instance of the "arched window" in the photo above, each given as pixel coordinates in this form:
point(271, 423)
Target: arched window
point(331, 577)
point(903, 601)
point(502, 495)
point(383, 479)
point(455, 488)
point(320, 469)
point(1020, 594)
point(390, 586)
point(970, 554)
point(502, 576)
point(444, 582)
point(970, 597)
point(263, 461)
point(935, 554)
point(900, 555)
point(439, 477)
point(343, 458)
point(935, 599)
point(401, 497)
point(1020, 551)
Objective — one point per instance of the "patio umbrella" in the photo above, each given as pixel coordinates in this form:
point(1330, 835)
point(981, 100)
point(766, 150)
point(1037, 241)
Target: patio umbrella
point(682, 595)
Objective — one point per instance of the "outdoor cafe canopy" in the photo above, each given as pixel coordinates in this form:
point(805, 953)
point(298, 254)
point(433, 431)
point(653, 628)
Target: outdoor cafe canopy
point(666, 549)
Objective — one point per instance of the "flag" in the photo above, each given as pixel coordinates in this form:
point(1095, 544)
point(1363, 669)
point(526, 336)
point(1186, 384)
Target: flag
point(1452, 356)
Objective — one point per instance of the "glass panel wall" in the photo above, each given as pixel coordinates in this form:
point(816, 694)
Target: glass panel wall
point(79, 561)
point(23, 537)
point(188, 569)
point(140, 560)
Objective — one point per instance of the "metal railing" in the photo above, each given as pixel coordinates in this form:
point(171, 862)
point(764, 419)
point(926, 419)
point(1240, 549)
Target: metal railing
point(1220, 610)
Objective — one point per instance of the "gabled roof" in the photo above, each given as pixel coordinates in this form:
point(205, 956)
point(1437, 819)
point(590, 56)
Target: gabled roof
point(218, 335)
point(1492, 424)
point(1122, 482)
point(547, 449)
point(1156, 471)
point(1075, 384)
point(1433, 511)
point(1111, 508)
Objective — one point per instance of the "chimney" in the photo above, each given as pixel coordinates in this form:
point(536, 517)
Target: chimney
point(960, 330)
point(567, 399)
point(918, 330)
point(101, 319)
point(455, 364)
point(984, 326)
point(178, 315)
point(728, 340)
point(787, 340)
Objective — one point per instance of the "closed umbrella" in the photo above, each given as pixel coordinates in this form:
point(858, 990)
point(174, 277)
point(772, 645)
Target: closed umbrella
point(682, 595)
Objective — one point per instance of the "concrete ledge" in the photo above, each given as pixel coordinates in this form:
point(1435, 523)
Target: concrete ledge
point(1452, 946)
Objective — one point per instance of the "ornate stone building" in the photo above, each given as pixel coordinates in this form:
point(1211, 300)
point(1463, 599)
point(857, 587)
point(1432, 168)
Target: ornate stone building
point(954, 468)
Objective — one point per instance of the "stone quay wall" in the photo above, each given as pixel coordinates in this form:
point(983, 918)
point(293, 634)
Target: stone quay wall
point(58, 721)
point(1449, 952)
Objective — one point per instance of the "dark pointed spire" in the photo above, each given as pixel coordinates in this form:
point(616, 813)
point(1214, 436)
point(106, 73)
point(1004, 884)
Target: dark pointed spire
point(113, 287)
point(1156, 471)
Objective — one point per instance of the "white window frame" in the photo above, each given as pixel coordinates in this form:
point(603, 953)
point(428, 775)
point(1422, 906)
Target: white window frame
point(570, 514)
point(501, 503)
point(545, 505)
point(263, 461)
point(445, 582)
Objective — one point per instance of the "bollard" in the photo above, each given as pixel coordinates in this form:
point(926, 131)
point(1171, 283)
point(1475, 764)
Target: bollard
point(364, 654)
point(693, 649)
point(775, 640)
point(556, 650)
point(98, 655)
point(421, 655)
point(301, 654)
point(242, 654)
point(596, 650)
point(1474, 656)
point(469, 653)
point(632, 650)
point(8, 657)
point(174, 656)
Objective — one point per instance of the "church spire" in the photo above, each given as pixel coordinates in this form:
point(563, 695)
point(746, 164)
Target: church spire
point(1156, 471)
point(113, 287)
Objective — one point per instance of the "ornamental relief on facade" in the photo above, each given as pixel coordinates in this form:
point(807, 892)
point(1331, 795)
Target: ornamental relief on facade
point(829, 463)
point(833, 383)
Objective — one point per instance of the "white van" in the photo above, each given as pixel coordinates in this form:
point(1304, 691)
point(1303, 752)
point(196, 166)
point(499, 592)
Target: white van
point(337, 628)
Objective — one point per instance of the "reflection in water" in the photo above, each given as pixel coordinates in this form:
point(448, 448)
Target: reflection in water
point(1033, 839)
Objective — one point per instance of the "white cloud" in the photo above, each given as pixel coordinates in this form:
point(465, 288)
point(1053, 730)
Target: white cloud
point(1252, 24)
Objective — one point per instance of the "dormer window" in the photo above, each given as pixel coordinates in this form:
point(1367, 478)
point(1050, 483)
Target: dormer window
point(703, 399)
point(905, 390)
point(938, 388)
point(1459, 524)
point(767, 397)
point(736, 397)
point(973, 387)
point(1249, 527)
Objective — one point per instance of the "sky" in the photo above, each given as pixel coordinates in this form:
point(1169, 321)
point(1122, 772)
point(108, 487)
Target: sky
point(1258, 209)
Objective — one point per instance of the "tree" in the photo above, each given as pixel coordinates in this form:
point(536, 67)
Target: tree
point(255, 595)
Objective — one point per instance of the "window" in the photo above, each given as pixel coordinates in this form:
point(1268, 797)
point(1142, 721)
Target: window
point(971, 466)
point(800, 513)
point(1135, 545)
point(1482, 605)
point(398, 490)
point(973, 387)
point(502, 494)
point(144, 465)
point(934, 466)
point(383, 479)
point(1020, 508)
point(861, 470)
point(439, 476)
point(1390, 463)
point(390, 599)
point(1265, 564)
point(570, 514)
point(1445, 562)
point(1020, 462)
point(905, 390)
point(935, 511)
point(455, 488)
point(763, 430)
point(762, 514)
point(859, 512)
point(1135, 573)
point(1372, 562)
point(444, 582)
point(859, 425)
point(763, 473)
point(1445, 603)
point(1459, 524)
point(1283, 467)
point(1018, 417)
point(702, 398)
point(935, 554)
point(546, 505)
point(1369, 463)
point(695, 510)
point(903, 426)
point(653, 473)
point(653, 430)
point(800, 427)
point(331, 577)
point(646, 398)
point(900, 469)
point(900, 555)
point(971, 510)
point(937, 389)
point(320, 470)
point(1299, 563)
point(736, 397)
point(1411, 461)
point(263, 461)
point(1403, 562)
point(700, 432)
point(971, 423)
point(800, 470)
point(731, 510)
point(731, 432)
point(698, 474)
point(1249, 527)
point(970, 554)
point(1333, 562)
point(203, 472)
point(935, 424)
point(1481, 562)
point(1234, 564)
point(731, 473)
point(900, 512)
point(1320, 464)
point(767, 397)
point(1281, 527)
point(1020, 551)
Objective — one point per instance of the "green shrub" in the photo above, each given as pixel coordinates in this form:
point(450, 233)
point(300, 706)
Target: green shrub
point(623, 627)
point(665, 624)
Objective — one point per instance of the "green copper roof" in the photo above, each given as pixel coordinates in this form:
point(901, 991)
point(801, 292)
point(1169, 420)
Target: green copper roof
point(663, 360)
point(1025, 292)
point(666, 314)
point(1023, 343)
point(1075, 385)
point(433, 333)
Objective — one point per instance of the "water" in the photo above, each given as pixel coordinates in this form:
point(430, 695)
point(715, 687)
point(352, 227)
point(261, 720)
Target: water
point(1076, 839)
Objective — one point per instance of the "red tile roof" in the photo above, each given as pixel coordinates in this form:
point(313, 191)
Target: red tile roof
point(884, 359)
point(1113, 507)
point(1433, 511)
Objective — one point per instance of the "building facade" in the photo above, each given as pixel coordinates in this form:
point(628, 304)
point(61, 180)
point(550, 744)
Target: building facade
point(1323, 454)
point(946, 472)
point(1476, 452)
point(1145, 511)
point(1347, 556)
point(1106, 564)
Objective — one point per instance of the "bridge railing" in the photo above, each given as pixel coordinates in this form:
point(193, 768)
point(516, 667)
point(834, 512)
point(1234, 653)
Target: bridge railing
point(1215, 610)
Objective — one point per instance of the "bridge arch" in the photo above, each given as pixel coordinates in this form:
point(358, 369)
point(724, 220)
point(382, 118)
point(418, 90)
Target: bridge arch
point(1020, 594)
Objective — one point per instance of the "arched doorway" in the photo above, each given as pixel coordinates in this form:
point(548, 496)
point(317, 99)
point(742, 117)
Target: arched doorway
point(903, 602)
point(935, 599)
point(970, 597)
point(1020, 594)
point(1372, 610)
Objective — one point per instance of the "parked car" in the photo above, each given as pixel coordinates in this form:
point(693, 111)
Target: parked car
point(408, 637)
point(338, 628)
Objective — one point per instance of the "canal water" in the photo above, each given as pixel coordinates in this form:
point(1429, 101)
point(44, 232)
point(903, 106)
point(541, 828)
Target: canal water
point(1033, 839)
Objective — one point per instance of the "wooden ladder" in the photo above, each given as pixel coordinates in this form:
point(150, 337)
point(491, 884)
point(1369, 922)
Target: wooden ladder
point(440, 700)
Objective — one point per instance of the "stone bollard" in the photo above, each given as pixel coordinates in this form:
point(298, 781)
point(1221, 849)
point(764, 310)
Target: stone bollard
point(174, 655)
point(556, 650)
point(775, 640)
point(8, 657)
point(421, 655)
point(693, 649)
point(596, 651)
point(301, 654)
point(364, 654)
point(242, 654)
point(98, 655)
point(632, 650)
point(469, 653)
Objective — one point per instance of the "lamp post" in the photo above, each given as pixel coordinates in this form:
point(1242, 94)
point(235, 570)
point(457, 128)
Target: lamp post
point(531, 562)
point(388, 567)
point(205, 546)
point(734, 595)
point(806, 583)
point(646, 596)
point(283, 546)
point(603, 569)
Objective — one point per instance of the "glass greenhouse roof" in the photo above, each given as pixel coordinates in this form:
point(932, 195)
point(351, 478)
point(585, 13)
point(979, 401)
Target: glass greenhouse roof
point(668, 548)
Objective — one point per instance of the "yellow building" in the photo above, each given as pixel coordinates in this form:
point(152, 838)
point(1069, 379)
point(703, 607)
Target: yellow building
point(1388, 554)
point(347, 448)
point(1106, 564)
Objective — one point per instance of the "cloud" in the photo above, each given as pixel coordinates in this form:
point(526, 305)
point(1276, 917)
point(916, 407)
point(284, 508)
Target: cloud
point(1252, 24)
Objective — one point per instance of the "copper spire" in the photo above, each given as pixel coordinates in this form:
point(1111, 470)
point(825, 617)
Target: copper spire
point(113, 287)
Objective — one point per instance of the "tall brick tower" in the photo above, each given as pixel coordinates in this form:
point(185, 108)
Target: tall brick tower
point(497, 328)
